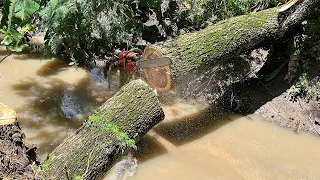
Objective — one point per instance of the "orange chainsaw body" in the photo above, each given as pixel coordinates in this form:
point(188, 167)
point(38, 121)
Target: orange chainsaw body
point(127, 62)
point(157, 77)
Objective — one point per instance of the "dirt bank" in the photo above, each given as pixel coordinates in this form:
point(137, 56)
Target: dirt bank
point(299, 115)
point(271, 100)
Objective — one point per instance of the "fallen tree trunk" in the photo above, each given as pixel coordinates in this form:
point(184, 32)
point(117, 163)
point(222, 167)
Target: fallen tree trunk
point(106, 135)
point(206, 62)
point(16, 156)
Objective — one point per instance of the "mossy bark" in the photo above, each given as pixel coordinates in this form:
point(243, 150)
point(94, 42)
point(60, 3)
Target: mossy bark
point(207, 61)
point(91, 151)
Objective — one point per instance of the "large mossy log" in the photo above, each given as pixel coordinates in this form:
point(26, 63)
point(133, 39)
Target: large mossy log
point(206, 62)
point(16, 156)
point(90, 151)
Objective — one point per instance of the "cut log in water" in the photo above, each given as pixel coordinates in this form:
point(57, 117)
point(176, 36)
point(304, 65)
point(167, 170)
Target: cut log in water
point(90, 152)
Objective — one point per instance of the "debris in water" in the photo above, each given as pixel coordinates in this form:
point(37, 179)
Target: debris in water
point(298, 124)
point(125, 168)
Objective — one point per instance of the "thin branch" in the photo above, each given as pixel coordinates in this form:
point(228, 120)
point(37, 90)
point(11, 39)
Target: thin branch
point(83, 175)
point(5, 57)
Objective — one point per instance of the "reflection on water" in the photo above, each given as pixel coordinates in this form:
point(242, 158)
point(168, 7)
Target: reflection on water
point(51, 98)
point(207, 146)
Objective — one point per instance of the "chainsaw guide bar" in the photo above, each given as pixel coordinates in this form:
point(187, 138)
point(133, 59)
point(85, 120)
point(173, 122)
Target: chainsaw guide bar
point(156, 62)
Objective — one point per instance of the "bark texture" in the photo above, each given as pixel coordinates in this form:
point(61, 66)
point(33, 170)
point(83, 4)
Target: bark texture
point(91, 151)
point(16, 156)
point(206, 62)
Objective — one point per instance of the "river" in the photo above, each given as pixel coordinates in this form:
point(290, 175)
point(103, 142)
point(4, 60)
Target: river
point(52, 99)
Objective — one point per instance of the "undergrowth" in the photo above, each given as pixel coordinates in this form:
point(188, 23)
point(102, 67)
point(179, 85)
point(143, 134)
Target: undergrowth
point(85, 30)
point(15, 23)
point(307, 84)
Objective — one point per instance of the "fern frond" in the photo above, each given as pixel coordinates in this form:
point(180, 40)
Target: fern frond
point(55, 44)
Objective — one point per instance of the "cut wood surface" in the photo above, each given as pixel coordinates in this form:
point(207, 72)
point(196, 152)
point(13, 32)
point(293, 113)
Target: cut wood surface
point(7, 115)
point(91, 151)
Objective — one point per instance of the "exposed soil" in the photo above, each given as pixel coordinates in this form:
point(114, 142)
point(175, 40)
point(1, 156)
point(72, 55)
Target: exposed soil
point(16, 155)
point(271, 99)
point(299, 115)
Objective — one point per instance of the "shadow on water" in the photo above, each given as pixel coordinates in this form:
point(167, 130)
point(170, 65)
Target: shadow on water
point(192, 127)
point(45, 112)
point(51, 68)
point(46, 98)
point(148, 148)
point(55, 108)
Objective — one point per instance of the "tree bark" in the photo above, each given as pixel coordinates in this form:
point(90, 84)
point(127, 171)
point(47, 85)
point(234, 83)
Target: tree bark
point(92, 150)
point(206, 62)
point(16, 155)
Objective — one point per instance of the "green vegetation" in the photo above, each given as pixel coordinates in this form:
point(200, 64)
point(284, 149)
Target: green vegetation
point(85, 30)
point(307, 83)
point(95, 118)
point(76, 177)
point(46, 164)
point(300, 89)
point(110, 127)
point(15, 23)
point(198, 11)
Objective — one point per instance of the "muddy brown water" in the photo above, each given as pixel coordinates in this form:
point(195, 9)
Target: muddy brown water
point(52, 100)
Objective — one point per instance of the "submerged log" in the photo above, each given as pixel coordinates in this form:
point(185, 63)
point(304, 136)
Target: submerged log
point(16, 156)
point(206, 62)
point(90, 152)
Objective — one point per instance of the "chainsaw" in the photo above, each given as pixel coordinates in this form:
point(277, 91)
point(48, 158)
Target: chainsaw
point(154, 66)
point(131, 61)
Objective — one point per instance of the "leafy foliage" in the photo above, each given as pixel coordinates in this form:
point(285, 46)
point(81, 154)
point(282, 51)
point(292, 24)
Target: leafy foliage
point(25, 9)
point(86, 29)
point(307, 86)
point(69, 24)
point(300, 89)
point(110, 127)
point(122, 137)
point(95, 118)
point(82, 28)
point(198, 11)
point(46, 164)
point(17, 13)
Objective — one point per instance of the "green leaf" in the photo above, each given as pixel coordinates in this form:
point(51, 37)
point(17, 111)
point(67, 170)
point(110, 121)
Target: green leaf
point(17, 36)
point(27, 28)
point(25, 9)
point(18, 48)
point(7, 40)
point(5, 31)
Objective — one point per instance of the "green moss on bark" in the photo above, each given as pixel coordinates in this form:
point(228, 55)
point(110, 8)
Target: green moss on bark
point(208, 46)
